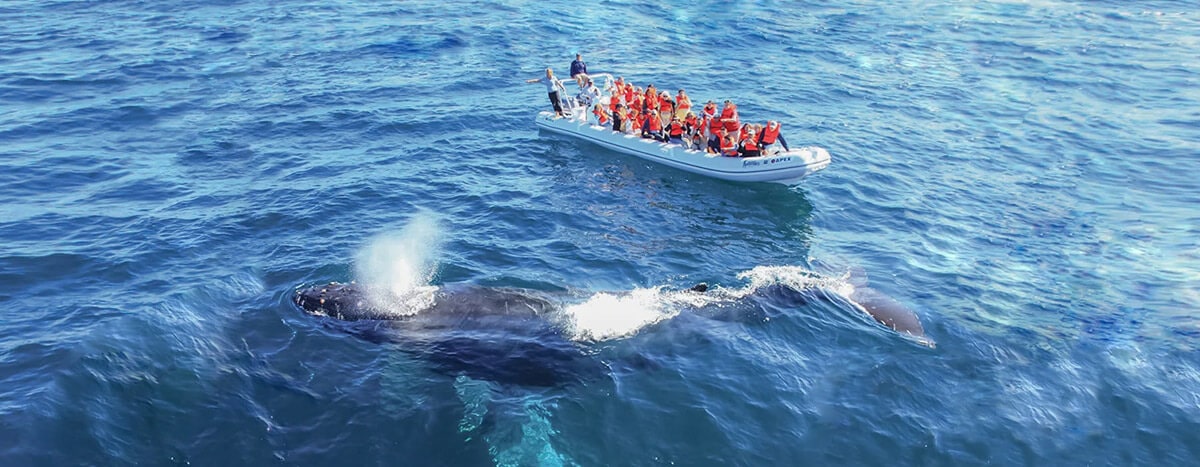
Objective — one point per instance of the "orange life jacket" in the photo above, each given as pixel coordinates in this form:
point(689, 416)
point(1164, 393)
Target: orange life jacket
point(730, 112)
point(714, 124)
point(653, 123)
point(651, 102)
point(750, 144)
point(770, 133)
point(665, 105)
point(676, 129)
point(728, 147)
point(683, 102)
point(601, 116)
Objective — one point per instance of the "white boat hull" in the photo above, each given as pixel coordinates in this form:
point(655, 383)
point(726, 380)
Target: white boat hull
point(784, 167)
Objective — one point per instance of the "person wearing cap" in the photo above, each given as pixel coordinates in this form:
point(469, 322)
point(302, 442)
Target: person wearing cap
point(749, 146)
point(553, 85)
point(589, 93)
point(769, 136)
point(665, 104)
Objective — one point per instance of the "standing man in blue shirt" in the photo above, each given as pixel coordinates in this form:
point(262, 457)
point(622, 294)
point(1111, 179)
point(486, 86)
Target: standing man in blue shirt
point(579, 68)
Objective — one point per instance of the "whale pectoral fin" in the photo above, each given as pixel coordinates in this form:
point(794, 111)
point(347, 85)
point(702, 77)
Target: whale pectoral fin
point(888, 311)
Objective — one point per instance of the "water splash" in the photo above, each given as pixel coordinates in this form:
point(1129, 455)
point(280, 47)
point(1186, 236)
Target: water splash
point(396, 268)
point(607, 316)
point(794, 277)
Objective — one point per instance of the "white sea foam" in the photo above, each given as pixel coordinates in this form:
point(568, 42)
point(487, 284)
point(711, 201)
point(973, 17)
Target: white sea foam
point(607, 315)
point(794, 277)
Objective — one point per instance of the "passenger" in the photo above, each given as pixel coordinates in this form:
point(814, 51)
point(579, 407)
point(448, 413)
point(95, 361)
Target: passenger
point(715, 127)
point(665, 104)
point(749, 146)
point(675, 131)
point(689, 123)
point(601, 115)
point(729, 146)
point(714, 141)
point(770, 135)
point(697, 141)
point(683, 105)
point(635, 122)
point(579, 70)
point(729, 117)
point(653, 127)
point(619, 117)
point(710, 110)
point(650, 99)
point(636, 103)
point(588, 94)
point(695, 129)
point(553, 86)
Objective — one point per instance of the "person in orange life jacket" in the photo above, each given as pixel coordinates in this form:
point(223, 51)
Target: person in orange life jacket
point(749, 146)
point(770, 135)
point(635, 122)
point(652, 128)
point(601, 115)
point(715, 139)
point(729, 146)
point(683, 104)
point(690, 121)
point(729, 117)
point(650, 99)
point(710, 110)
point(714, 128)
point(665, 104)
point(553, 86)
point(675, 131)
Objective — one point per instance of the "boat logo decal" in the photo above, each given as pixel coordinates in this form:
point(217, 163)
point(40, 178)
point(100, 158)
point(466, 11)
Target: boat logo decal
point(766, 162)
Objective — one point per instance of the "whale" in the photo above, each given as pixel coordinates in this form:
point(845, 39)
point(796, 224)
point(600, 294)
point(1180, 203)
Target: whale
point(500, 328)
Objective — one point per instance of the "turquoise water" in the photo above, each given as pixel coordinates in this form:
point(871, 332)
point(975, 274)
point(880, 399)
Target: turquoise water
point(1022, 175)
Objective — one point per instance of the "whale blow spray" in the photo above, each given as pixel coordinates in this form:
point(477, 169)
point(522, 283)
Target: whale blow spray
point(396, 268)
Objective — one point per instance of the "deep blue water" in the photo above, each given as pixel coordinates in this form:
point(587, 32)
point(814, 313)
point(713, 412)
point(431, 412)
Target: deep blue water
point(1021, 174)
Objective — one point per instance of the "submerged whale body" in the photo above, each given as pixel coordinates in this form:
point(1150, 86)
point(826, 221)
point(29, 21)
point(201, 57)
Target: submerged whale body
point(497, 334)
point(519, 336)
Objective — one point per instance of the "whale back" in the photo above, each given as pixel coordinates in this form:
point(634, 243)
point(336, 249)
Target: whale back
point(497, 334)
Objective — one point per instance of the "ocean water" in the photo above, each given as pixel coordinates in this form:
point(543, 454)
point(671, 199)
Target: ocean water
point(1023, 175)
